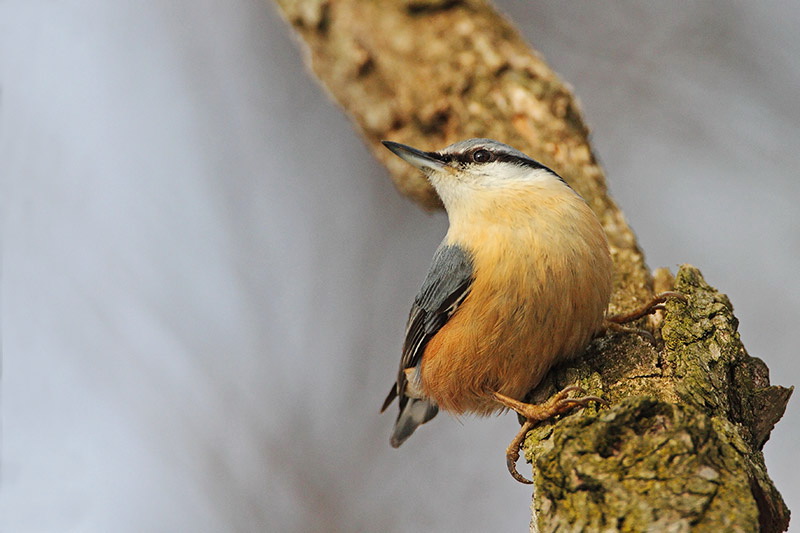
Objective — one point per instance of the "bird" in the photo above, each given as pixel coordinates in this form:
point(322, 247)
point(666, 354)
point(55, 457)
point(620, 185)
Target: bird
point(520, 282)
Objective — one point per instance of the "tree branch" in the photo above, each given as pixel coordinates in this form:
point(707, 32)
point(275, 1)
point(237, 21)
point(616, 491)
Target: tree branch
point(680, 445)
point(429, 73)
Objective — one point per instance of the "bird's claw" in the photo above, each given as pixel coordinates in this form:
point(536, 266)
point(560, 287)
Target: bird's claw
point(512, 453)
point(562, 402)
point(655, 304)
point(618, 328)
point(557, 404)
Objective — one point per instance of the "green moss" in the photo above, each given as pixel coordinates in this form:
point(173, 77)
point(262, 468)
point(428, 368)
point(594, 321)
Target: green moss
point(640, 463)
point(709, 361)
point(679, 448)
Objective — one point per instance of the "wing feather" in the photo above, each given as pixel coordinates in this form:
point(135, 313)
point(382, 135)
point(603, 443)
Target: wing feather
point(447, 284)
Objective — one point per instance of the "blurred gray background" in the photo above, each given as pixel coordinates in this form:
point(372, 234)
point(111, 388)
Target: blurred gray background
point(205, 276)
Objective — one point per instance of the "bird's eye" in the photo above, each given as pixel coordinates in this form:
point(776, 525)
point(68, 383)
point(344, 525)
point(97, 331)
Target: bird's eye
point(482, 156)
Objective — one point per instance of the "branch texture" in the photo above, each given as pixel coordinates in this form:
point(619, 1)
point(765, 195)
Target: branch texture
point(680, 447)
point(429, 73)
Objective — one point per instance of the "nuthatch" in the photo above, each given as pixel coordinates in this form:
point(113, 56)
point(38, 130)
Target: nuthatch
point(521, 282)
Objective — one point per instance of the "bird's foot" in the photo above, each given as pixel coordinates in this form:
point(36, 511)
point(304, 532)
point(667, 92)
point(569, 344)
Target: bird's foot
point(655, 304)
point(619, 328)
point(557, 404)
point(614, 322)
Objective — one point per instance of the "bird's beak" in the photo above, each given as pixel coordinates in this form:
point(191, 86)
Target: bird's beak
point(425, 161)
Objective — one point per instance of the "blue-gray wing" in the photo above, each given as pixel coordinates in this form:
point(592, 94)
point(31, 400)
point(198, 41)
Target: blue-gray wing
point(447, 284)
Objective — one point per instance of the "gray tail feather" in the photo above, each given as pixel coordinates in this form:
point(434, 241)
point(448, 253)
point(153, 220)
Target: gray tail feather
point(413, 414)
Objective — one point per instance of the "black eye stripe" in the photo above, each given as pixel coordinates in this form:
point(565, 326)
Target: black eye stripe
point(467, 158)
point(444, 158)
point(524, 161)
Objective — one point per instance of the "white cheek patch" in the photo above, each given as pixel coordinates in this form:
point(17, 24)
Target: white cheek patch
point(501, 174)
point(457, 187)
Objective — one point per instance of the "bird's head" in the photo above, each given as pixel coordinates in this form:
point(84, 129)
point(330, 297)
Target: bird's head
point(477, 166)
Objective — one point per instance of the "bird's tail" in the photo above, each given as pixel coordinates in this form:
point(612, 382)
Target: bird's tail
point(412, 415)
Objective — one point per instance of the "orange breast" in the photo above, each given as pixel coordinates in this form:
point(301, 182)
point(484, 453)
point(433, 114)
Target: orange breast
point(542, 284)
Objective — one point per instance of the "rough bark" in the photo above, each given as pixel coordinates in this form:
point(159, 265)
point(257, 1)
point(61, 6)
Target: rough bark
point(679, 448)
point(429, 73)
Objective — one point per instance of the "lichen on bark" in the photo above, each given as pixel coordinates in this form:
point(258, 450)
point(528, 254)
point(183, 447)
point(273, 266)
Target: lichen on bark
point(679, 448)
